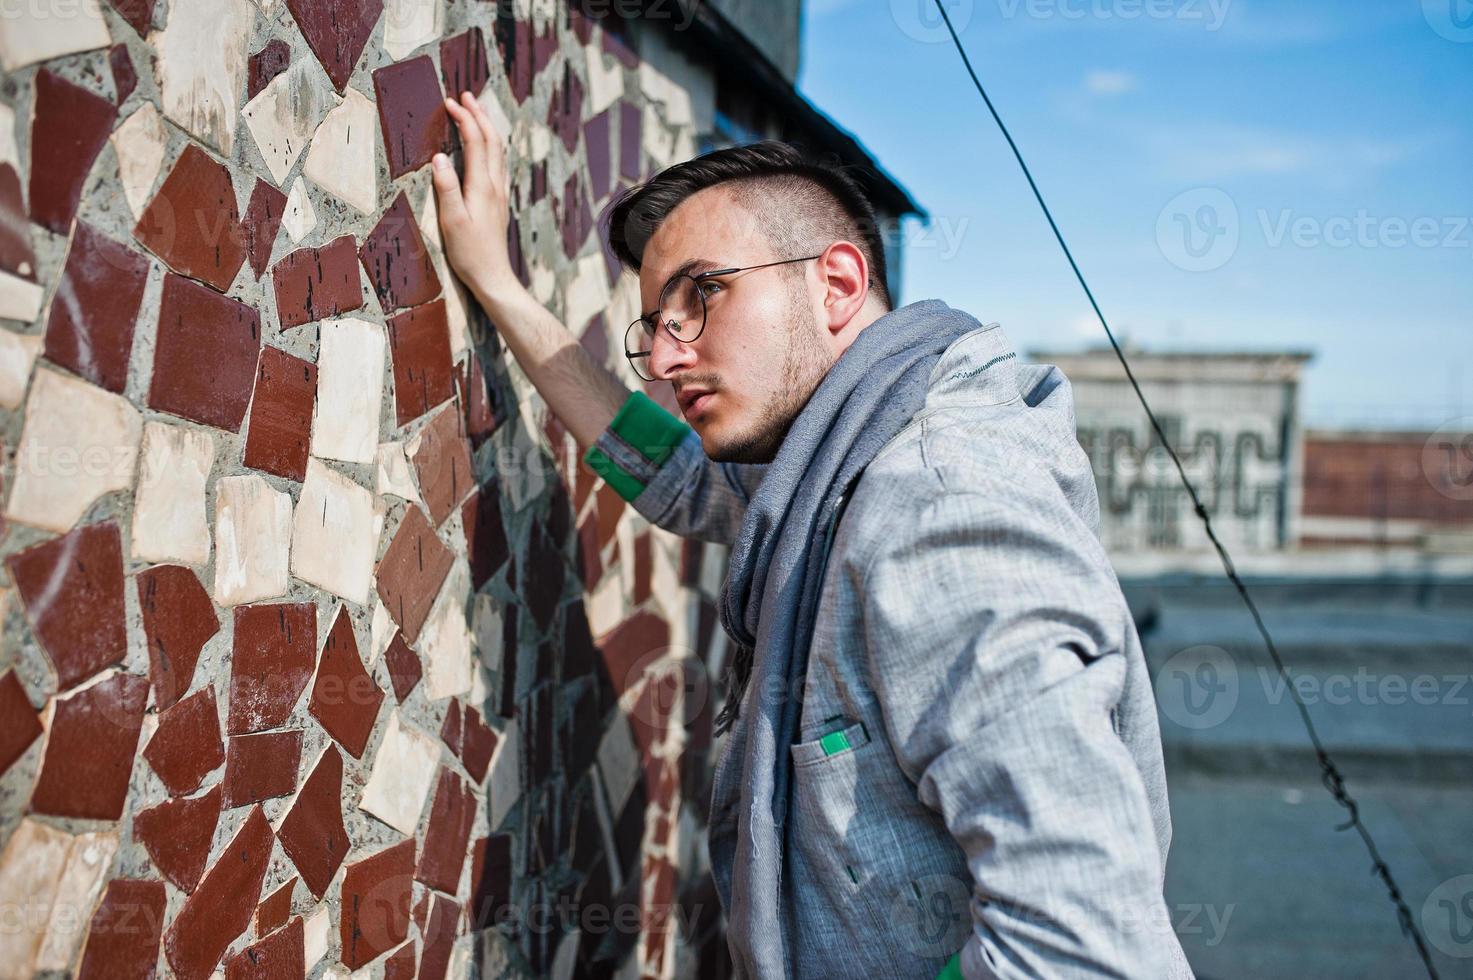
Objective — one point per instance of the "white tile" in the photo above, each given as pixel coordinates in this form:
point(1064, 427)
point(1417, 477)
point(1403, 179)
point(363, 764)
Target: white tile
point(587, 292)
point(394, 474)
point(17, 357)
point(77, 894)
point(343, 159)
point(403, 768)
point(381, 631)
point(605, 79)
point(408, 24)
point(40, 30)
point(169, 515)
point(333, 541)
point(316, 931)
point(350, 390)
point(445, 640)
point(284, 115)
point(51, 880)
point(9, 150)
point(139, 144)
point(505, 785)
point(202, 57)
point(299, 217)
point(20, 299)
point(78, 443)
point(253, 526)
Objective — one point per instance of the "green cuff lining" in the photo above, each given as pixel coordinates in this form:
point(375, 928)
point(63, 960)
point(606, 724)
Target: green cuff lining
point(953, 968)
point(649, 429)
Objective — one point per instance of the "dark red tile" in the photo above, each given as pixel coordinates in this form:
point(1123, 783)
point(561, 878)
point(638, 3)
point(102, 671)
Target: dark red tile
point(514, 42)
point(261, 224)
point(273, 655)
point(442, 462)
point(336, 31)
point(314, 283)
point(463, 63)
point(419, 342)
point(600, 159)
point(281, 414)
point(452, 730)
point(439, 939)
point(412, 114)
point(480, 417)
point(220, 908)
point(405, 670)
point(628, 646)
point(485, 537)
point(546, 571)
point(138, 13)
point(643, 568)
point(396, 260)
point(631, 141)
point(280, 956)
point(565, 109)
point(186, 746)
point(411, 572)
point(265, 65)
point(177, 835)
point(479, 745)
point(401, 965)
point(345, 700)
point(205, 355)
point(451, 816)
point(89, 750)
point(193, 223)
point(16, 255)
point(70, 125)
point(539, 182)
point(178, 619)
point(123, 938)
point(312, 834)
point(375, 904)
point(90, 328)
point(261, 766)
point(574, 216)
point(72, 587)
point(19, 723)
point(275, 909)
point(125, 78)
point(590, 561)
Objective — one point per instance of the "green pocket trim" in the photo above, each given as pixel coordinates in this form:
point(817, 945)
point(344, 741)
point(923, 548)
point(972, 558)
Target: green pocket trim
point(953, 968)
point(834, 742)
point(646, 427)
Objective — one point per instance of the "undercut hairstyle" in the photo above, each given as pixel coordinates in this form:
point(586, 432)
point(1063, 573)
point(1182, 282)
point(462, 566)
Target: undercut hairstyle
point(803, 205)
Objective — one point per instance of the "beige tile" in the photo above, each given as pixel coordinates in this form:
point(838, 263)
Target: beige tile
point(403, 768)
point(88, 868)
point(170, 522)
point(409, 24)
point(605, 79)
point(333, 536)
point(139, 144)
point(253, 525)
point(350, 390)
point(445, 641)
point(51, 881)
point(17, 357)
point(284, 115)
point(9, 151)
point(202, 66)
point(394, 476)
point(504, 785)
point(587, 292)
point(78, 443)
point(300, 217)
point(343, 159)
point(20, 299)
point(40, 30)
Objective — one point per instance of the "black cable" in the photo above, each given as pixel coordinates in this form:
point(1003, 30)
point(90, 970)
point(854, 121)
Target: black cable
point(1330, 774)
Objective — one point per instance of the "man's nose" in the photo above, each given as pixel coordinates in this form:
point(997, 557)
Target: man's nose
point(667, 355)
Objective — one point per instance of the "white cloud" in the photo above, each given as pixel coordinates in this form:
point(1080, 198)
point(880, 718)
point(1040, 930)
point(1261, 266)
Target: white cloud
point(1110, 82)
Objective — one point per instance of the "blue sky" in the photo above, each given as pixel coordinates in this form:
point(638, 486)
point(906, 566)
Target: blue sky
point(1231, 174)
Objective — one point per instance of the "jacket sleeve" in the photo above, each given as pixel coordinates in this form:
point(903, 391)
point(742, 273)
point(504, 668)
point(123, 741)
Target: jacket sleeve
point(655, 461)
point(995, 630)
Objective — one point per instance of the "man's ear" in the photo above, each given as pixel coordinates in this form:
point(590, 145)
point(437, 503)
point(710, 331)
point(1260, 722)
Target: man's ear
point(845, 275)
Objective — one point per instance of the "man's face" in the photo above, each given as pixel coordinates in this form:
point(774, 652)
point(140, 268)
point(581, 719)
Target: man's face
point(762, 352)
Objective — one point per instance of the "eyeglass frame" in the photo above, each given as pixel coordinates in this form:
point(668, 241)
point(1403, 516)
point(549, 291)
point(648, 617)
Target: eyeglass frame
point(697, 278)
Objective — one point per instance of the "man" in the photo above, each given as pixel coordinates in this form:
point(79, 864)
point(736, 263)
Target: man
point(942, 752)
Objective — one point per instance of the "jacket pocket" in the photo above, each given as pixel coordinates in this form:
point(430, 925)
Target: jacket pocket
point(837, 742)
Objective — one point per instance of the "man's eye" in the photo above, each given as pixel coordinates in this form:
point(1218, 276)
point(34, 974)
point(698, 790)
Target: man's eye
point(715, 286)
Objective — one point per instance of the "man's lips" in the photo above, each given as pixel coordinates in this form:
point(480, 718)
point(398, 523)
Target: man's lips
point(695, 400)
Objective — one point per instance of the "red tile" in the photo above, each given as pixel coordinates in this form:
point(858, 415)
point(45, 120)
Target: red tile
point(125, 78)
point(90, 328)
point(411, 572)
point(374, 915)
point(314, 283)
point(631, 141)
point(480, 413)
point(186, 746)
point(442, 462)
point(419, 342)
point(480, 745)
point(312, 834)
point(265, 65)
point(642, 568)
point(490, 880)
point(205, 355)
point(123, 938)
point(275, 909)
point(261, 766)
point(401, 965)
point(70, 125)
point(514, 42)
point(451, 816)
point(600, 160)
point(405, 669)
point(193, 223)
point(574, 216)
point(19, 722)
point(452, 730)
point(261, 223)
point(89, 750)
point(177, 835)
point(485, 537)
point(547, 571)
point(272, 660)
point(345, 700)
point(336, 31)
point(16, 255)
point(281, 414)
point(628, 647)
point(439, 939)
point(412, 114)
point(463, 63)
point(72, 587)
point(138, 13)
point(565, 109)
point(396, 260)
point(280, 956)
point(220, 909)
point(178, 619)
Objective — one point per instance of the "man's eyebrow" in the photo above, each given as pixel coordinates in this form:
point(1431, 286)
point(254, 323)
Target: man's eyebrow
point(690, 267)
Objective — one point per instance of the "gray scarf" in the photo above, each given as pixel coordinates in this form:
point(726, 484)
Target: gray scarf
point(769, 599)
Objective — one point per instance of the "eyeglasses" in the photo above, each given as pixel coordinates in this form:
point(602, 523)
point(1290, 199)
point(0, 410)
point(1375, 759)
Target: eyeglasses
point(682, 312)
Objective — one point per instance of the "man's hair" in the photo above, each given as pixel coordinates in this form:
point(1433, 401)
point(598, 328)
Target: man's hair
point(804, 204)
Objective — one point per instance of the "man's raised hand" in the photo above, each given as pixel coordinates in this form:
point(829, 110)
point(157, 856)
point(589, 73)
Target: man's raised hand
point(474, 213)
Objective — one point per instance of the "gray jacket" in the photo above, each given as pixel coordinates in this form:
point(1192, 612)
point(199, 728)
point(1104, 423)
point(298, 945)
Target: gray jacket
point(978, 780)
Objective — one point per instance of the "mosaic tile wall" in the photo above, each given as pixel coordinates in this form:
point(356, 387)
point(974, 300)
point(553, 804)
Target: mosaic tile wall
point(323, 655)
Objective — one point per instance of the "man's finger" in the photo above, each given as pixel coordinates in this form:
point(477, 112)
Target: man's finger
point(475, 145)
point(496, 162)
point(447, 189)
